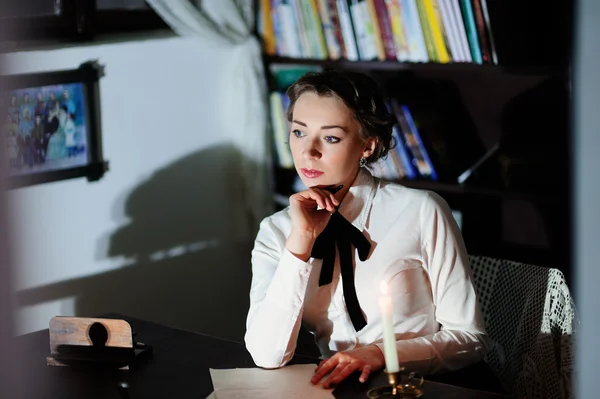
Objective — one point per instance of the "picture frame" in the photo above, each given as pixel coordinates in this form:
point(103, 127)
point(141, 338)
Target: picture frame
point(51, 125)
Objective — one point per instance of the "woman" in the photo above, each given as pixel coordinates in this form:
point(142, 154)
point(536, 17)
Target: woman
point(404, 237)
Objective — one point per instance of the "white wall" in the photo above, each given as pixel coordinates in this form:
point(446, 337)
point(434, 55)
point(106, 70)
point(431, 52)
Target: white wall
point(155, 238)
point(586, 191)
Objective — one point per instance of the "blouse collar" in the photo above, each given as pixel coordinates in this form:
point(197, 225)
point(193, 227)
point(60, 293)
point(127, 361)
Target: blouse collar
point(357, 202)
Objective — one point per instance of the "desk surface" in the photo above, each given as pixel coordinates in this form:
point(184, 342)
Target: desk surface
point(179, 369)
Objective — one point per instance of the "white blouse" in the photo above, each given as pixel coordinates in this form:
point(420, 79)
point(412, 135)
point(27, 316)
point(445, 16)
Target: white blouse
point(416, 248)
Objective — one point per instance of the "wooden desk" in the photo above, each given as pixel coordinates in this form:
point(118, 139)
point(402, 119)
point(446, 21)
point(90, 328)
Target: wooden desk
point(179, 369)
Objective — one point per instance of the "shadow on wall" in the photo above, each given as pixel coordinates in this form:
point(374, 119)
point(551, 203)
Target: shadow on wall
point(187, 248)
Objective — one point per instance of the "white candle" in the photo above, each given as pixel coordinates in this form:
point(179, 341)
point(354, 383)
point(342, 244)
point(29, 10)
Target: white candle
point(389, 338)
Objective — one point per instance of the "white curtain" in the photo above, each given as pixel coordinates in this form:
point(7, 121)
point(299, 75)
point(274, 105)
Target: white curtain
point(230, 23)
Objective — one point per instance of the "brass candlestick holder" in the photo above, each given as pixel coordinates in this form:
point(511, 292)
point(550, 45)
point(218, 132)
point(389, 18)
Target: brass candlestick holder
point(396, 388)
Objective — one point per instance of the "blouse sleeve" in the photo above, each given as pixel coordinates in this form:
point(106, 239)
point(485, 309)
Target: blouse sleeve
point(462, 339)
point(279, 281)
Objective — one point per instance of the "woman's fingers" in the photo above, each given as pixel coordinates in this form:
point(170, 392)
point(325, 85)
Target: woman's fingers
point(366, 371)
point(323, 369)
point(321, 198)
point(331, 200)
point(341, 373)
point(322, 362)
point(326, 198)
point(336, 203)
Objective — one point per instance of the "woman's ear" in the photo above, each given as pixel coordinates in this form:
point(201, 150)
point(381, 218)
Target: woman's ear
point(370, 146)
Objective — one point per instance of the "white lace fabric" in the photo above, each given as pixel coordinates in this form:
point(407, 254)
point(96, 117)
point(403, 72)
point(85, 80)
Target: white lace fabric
point(531, 321)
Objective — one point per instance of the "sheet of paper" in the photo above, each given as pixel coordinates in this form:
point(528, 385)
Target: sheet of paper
point(291, 382)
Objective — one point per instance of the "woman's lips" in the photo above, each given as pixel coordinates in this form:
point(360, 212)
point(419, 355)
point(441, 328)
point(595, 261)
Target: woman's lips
point(311, 173)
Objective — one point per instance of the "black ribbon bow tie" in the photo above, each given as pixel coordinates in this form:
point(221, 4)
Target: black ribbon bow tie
point(342, 232)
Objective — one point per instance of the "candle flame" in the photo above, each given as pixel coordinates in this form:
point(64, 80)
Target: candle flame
point(384, 288)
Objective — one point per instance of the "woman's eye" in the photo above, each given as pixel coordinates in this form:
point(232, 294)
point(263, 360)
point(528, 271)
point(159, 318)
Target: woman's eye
point(332, 139)
point(297, 133)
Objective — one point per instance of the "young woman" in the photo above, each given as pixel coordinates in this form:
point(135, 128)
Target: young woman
point(320, 262)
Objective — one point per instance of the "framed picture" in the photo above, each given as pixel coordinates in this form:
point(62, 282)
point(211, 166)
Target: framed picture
point(51, 125)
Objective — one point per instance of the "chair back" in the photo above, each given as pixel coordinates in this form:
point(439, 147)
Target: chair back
point(530, 318)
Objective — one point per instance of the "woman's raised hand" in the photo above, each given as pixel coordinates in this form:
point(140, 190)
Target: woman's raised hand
point(310, 211)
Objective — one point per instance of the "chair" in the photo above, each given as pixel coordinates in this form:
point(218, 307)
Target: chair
point(531, 321)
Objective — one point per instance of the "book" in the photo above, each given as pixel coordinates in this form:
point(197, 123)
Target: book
point(412, 139)
point(329, 30)
point(316, 29)
point(385, 29)
point(414, 31)
point(376, 31)
point(280, 130)
point(446, 128)
point(402, 153)
point(490, 33)
point(337, 28)
point(350, 41)
point(451, 30)
point(289, 24)
point(363, 28)
point(471, 28)
point(267, 31)
point(398, 28)
point(437, 30)
point(427, 33)
point(486, 54)
point(461, 30)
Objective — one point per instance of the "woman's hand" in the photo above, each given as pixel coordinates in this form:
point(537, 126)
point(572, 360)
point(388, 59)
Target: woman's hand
point(342, 364)
point(310, 211)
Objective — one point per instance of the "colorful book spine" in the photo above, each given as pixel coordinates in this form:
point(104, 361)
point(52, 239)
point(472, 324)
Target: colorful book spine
point(427, 33)
point(385, 28)
point(317, 30)
point(280, 131)
point(276, 18)
point(490, 33)
point(462, 31)
point(301, 30)
point(333, 46)
point(350, 41)
point(399, 33)
point(304, 8)
point(481, 32)
point(471, 27)
point(414, 31)
point(436, 26)
point(337, 28)
point(267, 31)
point(419, 141)
point(376, 33)
point(451, 30)
point(363, 28)
point(414, 144)
point(402, 152)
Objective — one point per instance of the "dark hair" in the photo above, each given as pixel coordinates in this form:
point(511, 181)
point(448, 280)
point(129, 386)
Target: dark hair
point(361, 95)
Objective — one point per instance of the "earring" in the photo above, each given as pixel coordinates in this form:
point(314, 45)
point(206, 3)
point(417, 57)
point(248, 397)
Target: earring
point(363, 162)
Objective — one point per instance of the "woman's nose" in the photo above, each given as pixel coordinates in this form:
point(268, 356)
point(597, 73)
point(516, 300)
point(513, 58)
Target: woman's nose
point(311, 151)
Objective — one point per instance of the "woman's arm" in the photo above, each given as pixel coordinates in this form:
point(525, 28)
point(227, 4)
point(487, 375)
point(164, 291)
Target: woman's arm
point(279, 281)
point(280, 274)
point(462, 339)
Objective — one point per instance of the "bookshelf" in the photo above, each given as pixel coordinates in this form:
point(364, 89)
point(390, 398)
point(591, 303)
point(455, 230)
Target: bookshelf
point(522, 50)
point(390, 65)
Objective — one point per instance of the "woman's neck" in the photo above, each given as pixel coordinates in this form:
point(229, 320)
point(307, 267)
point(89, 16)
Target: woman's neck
point(340, 195)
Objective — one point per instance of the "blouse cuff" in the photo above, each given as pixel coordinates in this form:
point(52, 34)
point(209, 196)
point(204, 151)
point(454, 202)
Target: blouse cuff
point(421, 353)
point(289, 281)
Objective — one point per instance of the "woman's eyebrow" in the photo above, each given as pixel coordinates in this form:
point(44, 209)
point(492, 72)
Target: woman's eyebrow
point(323, 127)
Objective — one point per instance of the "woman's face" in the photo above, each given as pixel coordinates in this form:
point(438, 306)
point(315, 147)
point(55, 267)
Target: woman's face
point(325, 141)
